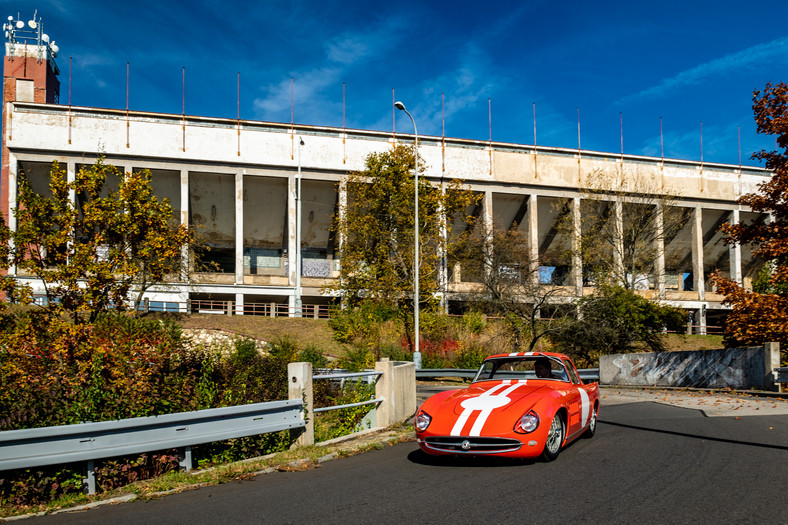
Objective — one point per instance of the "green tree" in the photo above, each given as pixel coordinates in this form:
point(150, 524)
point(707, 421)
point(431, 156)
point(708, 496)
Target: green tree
point(92, 252)
point(761, 315)
point(376, 231)
point(616, 320)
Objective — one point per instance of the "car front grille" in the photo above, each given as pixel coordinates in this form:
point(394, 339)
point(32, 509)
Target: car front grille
point(472, 445)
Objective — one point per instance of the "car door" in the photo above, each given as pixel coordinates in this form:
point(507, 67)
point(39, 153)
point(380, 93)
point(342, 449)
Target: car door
point(574, 400)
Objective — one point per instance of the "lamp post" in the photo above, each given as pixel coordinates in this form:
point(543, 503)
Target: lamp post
point(416, 353)
point(298, 306)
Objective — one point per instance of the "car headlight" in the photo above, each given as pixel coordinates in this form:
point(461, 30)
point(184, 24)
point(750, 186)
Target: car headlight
point(422, 421)
point(528, 423)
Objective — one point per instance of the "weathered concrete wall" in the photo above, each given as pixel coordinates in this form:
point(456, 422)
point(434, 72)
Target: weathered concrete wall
point(738, 368)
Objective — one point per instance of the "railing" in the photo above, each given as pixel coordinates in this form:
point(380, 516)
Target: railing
point(781, 375)
point(91, 441)
point(395, 393)
point(342, 375)
point(202, 306)
point(586, 374)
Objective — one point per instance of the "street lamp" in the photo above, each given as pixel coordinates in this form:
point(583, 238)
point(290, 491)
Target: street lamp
point(416, 353)
point(298, 306)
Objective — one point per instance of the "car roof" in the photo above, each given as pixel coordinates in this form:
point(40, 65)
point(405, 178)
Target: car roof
point(530, 354)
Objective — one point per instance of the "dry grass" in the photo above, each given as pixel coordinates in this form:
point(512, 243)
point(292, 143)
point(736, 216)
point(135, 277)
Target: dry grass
point(316, 332)
point(301, 330)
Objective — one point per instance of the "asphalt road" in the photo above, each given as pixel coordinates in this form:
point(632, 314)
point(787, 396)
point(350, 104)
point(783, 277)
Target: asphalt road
point(648, 463)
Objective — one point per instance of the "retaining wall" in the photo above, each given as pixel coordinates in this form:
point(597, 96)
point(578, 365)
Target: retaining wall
point(736, 368)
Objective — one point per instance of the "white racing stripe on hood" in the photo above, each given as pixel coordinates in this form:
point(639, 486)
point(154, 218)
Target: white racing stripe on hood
point(484, 404)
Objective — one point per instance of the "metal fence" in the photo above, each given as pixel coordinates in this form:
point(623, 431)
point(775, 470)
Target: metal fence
point(91, 441)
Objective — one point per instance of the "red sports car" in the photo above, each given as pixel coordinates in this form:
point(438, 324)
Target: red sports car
point(525, 405)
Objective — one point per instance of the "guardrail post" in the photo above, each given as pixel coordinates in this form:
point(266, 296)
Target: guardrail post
point(186, 462)
point(89, 481)
point(229, 308)
point(299, 386)
point(272, 310)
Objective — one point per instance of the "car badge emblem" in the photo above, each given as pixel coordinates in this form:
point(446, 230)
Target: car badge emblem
point(466, 445)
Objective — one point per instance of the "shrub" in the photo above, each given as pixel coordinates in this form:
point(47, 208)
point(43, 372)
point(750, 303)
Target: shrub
point(355, 325)
point(357, 358)
point(470, 356)
point(474, 321)
point(310, 354)
point(336, 423)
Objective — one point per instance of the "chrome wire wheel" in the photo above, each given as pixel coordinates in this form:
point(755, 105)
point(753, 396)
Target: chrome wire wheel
point(555, 438)
point(591, 424)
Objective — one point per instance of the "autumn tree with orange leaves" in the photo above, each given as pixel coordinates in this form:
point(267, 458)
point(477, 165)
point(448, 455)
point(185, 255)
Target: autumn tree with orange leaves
point(761, 315)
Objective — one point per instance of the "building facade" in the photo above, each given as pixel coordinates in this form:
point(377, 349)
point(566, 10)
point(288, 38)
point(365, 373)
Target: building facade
point(237, 182)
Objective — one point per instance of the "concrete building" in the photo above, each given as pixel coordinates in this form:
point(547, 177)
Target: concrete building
point(236, 180)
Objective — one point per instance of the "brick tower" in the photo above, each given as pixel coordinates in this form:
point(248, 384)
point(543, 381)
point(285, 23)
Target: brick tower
point(29, 75)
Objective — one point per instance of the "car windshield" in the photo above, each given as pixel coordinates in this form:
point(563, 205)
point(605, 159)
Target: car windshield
point(528, 367)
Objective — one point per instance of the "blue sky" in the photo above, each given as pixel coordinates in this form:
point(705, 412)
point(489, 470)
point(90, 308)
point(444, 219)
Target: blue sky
point(685, 61)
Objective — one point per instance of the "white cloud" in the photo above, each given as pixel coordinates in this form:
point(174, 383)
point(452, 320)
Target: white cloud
point(466, 86)
point(353, 47)
point(346, 51)
point(761, 53)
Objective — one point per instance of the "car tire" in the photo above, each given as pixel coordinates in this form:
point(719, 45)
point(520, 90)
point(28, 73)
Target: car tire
point(555, 438)
point(591, 430)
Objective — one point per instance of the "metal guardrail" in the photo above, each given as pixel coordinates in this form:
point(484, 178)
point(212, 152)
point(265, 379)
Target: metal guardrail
point(90, 441)
point(781, 375)
point(586, 374)
point(324, 373)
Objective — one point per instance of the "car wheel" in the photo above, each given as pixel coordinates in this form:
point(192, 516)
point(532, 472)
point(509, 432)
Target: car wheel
point(555, 438)
point(591, 430)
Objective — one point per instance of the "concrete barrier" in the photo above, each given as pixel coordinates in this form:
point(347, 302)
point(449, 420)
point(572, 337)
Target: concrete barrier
point(736, 368)
point(397, 386)
point(395, 394)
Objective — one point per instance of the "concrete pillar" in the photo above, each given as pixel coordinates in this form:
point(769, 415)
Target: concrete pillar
point(618, 240)
point(239, 227)
point(771, 360)
point(185, 217)
point(342, 197)
point(239, 304)
point(533, 238)
point(299, 386)
point(734, 251)
point(185, 197)
point(702, 319)
point(12, 194)
point(488, 224)
point(291, 241)
point(697, 252)
point(659, 247)
point(397, 388)
point(577, 259)
point(443, 272)
point(71, 176)
point(384, 389)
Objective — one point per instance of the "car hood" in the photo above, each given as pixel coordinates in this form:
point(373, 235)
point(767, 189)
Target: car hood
point(498, 396)
point(488, 407)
